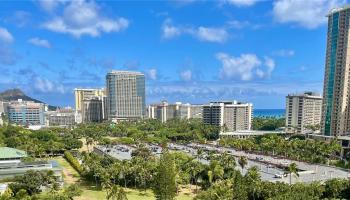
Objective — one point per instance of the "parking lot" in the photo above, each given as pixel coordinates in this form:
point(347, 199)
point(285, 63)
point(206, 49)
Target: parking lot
point(268, 166)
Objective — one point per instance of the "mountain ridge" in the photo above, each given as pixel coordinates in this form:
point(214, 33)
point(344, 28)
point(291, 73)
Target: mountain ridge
point(15, 93)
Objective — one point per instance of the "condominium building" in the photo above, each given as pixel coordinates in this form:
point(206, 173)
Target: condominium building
point(91, 110)
point(165, 111)
point(335, 108)
point(229, 115)
point(302, 112)
point(125, 95)
point(87, 94)
point(26, 112)
point(3, 106)
point(61, 117)
point(82, 94)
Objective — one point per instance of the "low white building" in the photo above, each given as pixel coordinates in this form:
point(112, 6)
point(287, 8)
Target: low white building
point(244, 134)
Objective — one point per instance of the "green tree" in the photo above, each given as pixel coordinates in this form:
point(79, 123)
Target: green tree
point(242, 161)
point(292, 169)
point(165, 184)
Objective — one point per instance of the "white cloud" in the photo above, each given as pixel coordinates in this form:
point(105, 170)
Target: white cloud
point(186, 75)
point(284, 53)
point(207, 34)
point(152, 74)
point(5, 36)
point(83, 18)
point(241, 3)
point(40, 42)
point(46, 86)
point(48, 5)
point(309, 14)
point(245, 67)
point(170, 31)
point(212, 34)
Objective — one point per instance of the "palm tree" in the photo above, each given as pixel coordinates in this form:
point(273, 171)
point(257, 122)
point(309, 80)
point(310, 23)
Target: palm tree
point(116, 193)
point(292, 169)
point(242, 161)
point(89, 141)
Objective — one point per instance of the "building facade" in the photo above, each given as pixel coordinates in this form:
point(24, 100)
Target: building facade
point(82, 95)
point(335, 108)
point(229, 115)
point(165, 111)
point(302, 112)
point(92, 110)
point(86, 94)
point(62, 117)
point(125, 95)
point(26, 112)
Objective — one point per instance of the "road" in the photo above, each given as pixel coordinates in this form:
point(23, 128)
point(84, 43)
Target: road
point(308, 172)
point(267, 165)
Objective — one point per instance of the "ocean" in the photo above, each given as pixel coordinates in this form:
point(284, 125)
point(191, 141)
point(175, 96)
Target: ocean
point(278, 113)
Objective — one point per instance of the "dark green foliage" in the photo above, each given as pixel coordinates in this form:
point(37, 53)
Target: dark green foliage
point(164, 183)
point(267, 123)
point(33, 181)
point(73, 161)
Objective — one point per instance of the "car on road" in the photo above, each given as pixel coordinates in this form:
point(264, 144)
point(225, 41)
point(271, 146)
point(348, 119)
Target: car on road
point(279, 175)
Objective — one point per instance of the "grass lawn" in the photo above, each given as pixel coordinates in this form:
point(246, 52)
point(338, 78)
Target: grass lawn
point(90, 192)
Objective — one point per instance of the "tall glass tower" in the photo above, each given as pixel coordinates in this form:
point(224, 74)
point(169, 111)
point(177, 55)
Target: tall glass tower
point(335, 107)
point(125, 95)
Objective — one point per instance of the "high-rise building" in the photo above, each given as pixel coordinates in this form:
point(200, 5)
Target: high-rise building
point(165, 111)
point(61, 117)
point(86, 94)
point(335, 108)
point(26, 112)
point(302, 112)
point(91, 110)
point(229, 115)
point(125, 95)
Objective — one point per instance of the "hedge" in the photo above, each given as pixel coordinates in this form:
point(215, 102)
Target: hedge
point(73, 161)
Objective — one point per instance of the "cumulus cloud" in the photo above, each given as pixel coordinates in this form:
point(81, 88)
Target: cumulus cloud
point(5, 36)
point(284, 53)
point(152, 74)
point(46, 86)
point(39, 42)
point(48, 5)
point(241, 3)
point(84, 18)
point(170, 31)
point(19, 18)
point(202, 33)
point(212, 34)
point(245, 67)
point(310, 14)
point(186, 75)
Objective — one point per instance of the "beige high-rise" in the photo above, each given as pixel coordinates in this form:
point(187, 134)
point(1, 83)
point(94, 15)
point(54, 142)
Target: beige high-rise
point(302, 112)
point(335, 108)
point(86, 94)
point(230, 116)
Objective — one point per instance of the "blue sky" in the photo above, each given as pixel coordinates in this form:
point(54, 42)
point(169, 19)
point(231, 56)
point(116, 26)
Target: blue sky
point(190, 51)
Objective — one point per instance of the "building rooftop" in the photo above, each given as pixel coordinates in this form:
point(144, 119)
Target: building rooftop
point(306, 94)
point(249, 133)
point(7, 152)
point(335, 10)
point(125, 72)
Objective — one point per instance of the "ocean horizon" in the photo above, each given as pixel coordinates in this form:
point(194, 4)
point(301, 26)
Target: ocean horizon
point(277, 113)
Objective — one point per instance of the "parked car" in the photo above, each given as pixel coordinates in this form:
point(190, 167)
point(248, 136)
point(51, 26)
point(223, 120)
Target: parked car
point(279, 175)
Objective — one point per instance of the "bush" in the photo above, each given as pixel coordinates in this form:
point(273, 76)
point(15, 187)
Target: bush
point(73, 161)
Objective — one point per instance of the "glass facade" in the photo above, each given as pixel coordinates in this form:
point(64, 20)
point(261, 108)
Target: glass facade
point(126, 95)
point(334, 33)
